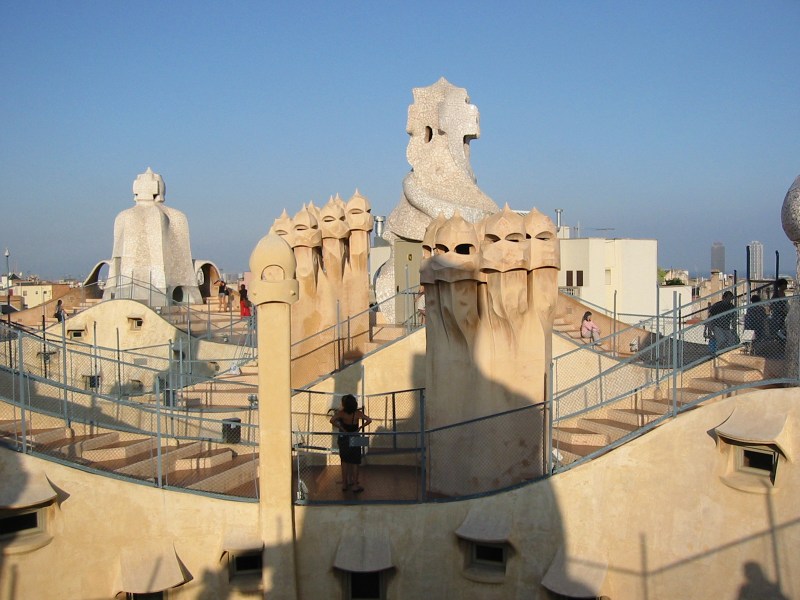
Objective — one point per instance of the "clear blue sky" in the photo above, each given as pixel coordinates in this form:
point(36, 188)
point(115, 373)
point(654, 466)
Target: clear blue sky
point(676, 120)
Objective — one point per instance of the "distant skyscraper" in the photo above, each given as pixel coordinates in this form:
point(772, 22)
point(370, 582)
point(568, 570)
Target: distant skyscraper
point(718, 257)
point(756, 260)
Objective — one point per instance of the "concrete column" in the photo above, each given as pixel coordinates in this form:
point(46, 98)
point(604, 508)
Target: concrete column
point(273, 290)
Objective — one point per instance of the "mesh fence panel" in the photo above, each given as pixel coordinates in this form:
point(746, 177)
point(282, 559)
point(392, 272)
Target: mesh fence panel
point(391, 460)
point(99, 408)
point(736, 350)
point(356, 335)
point(200, 437)
point(487, 454)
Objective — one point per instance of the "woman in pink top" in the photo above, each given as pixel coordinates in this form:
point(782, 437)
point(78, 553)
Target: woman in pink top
point(590, 329)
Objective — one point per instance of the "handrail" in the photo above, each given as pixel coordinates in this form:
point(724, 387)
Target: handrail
point(398, 413)
point(685, 353)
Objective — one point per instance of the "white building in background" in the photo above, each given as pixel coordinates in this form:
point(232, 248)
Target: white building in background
point(756, 260)
point(615, 274)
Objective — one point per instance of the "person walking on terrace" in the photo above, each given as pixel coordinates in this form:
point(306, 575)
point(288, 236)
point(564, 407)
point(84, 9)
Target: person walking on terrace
point(721, 317)
point(244, 303)
point(222, 295)
point(348, 421)
point(60, 313)
point(589, 329)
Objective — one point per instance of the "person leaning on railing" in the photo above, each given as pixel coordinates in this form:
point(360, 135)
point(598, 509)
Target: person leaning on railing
point(348, 421)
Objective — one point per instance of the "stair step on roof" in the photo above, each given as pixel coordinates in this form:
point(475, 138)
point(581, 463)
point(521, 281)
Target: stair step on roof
point(145, 465)
point(744, 360)
point(634, 416)
point(565, 453)
point(119, 449)
point(737, 374)
point(579, 436)
point(205, 460)
point(708, 384)
point(613, 429)
point(241, 470)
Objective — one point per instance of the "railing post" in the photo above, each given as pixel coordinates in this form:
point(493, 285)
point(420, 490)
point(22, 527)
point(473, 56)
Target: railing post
point(21, 362)
point(189, 339)
point(423, 447)
point(658, 334)
point(337, 334)
point(550, 408)
point(408, 307)
point(10, 344)
point(181, 382)
point(349, 335)
point(674, 356)
point(159, 469)
point(170, 376)
point(44, 345)
point(394, 420)
point(615, 349)
point(64, 369)
point(119, 370)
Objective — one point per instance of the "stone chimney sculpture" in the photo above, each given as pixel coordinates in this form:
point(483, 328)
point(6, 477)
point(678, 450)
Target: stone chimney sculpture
point(490, 298)
point(151, 258)
point(331, 247)
point(441, 123)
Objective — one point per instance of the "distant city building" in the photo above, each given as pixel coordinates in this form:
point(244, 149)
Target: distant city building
point(756, 260)
point(611, 272)
point(718, 257)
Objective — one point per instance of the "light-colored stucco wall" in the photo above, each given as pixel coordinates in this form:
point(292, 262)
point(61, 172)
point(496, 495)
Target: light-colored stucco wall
point(628, 267)
point(655, 510)
point(634, 277)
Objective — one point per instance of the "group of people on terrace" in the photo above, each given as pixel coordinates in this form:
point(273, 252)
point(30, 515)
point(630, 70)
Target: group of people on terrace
point(225, 298)
point(721, 330)
point(722, 333)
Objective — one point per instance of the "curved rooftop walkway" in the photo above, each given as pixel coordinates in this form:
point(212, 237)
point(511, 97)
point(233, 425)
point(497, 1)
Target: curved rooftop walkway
point(72, 404)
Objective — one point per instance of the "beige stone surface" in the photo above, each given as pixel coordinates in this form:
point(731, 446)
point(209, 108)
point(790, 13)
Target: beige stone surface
point(655, 511)
point(790, 219)
point(273, 291)
point(331, 245)
point(151, 247)
point(490, 297)
point(441, 122)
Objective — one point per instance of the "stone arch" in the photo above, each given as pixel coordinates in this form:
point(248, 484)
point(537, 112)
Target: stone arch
point(207, 273)
point(93, 282)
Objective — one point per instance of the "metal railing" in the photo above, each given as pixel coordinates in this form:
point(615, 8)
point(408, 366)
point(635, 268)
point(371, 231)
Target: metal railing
point(405, 461)
point(351, 338)
point(202, 439)
point(69, 402)
point(667, 375)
